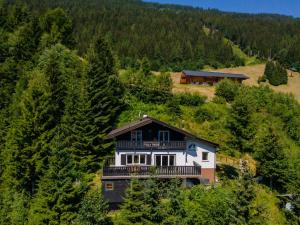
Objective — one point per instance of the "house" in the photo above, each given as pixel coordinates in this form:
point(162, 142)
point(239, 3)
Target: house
point(209, 78)
point(151, 148)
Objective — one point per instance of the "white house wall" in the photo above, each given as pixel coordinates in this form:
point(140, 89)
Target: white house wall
point(183, 158)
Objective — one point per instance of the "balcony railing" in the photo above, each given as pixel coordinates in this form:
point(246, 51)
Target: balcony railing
point(168, 171)
point(175, 145)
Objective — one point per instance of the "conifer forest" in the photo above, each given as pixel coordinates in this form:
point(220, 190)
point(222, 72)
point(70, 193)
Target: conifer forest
point(72, 71)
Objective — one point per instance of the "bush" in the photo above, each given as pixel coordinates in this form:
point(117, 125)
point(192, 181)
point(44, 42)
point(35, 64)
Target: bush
point(148, 88)
point(227, 89)
point(210, 111)
point(261, 79)
point(189, 99)
point(276, 73)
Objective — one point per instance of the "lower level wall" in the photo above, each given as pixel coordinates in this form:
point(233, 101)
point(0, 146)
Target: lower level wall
point(209, 173)
point(116, 196)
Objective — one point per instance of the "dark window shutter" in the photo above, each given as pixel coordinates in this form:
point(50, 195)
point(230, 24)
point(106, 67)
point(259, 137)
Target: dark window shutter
point(123, 160)
point(148, 159)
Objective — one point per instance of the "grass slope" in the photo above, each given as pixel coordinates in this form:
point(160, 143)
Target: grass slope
point(252, 71)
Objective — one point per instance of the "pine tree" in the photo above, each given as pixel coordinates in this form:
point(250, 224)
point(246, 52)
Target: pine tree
point(105, 99)
point(152, 207)
point(272, 163)
point(59, 191)
point(173, 211)
point(132, 209)
point(245, 194)
point(276, 73)
point(145, 66)
point(241, 111)
point(57, 27)
point(269, 70)
point(93, 209)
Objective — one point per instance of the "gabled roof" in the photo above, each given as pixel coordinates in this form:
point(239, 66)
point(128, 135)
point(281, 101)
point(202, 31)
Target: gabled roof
point(213, 74)
point(148, 120)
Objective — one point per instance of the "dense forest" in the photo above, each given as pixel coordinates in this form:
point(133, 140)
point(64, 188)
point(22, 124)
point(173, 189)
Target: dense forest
point(62, 91)
point(176, 37)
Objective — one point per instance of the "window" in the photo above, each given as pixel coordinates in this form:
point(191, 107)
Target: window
point(129, 159)
point(158, 160)
point(165, 160)
point(204, 156)
point(142, 159)
point(136, 136)
point(164, 136)
point(172, 160)
point(109, 186)
point(136, 159)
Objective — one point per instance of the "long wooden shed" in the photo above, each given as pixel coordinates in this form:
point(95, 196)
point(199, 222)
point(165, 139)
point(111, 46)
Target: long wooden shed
point(209, 78)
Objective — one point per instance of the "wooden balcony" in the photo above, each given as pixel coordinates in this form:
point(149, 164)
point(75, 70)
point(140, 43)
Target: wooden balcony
point(148, 145)
point(125, 172)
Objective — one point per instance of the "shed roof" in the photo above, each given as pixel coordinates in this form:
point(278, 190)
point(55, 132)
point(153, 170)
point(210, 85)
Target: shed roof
point(214, 74)
point(147, 120)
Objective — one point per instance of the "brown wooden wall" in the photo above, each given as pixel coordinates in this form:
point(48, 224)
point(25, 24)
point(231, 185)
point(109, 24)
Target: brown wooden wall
point(210, 80)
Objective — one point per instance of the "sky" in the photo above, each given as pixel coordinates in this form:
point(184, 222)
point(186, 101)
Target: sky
point(284, 7)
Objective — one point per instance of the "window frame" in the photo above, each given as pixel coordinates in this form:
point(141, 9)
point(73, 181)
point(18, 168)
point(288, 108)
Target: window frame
point(164, 132)
point(109, 183)
point(161, 159)
point(203, 158)
point(135, 134)
point(133, 159)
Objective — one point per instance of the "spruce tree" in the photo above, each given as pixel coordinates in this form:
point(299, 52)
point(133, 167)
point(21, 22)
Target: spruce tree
point(272, 163)
point(152, 206)
point(275, 73)
point(59, 191)
point(93, 209)
point(245, 194)
point(269, 70)
point(105, 99)
point(132, 209)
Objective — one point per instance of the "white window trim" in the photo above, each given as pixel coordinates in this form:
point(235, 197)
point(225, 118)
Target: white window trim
point(205, 160)
point(161, 155)
point(139, 163)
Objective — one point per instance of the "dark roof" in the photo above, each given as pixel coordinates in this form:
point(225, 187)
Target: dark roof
point(147, 120)
point(213, 74)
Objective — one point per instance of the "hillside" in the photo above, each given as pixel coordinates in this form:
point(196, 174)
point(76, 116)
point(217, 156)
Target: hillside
point(171, 36)
point(61, 94)
point(252, 71)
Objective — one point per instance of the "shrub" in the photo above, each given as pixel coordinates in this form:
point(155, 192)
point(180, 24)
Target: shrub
point(210, 111)
point(261, 79)
point(227, 89)
point(276, 73)
point(189, 99)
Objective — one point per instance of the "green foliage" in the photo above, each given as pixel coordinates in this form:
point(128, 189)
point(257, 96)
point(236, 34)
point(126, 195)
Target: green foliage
point(150, 88)
point(272, 161)
point(239, 121)
point(57, 27)
point(145, 66)
point(245, 195)
point(276, 73)
point(227, 89)
point(105, 94)
point(167, 42)
point(59, 191)
point(93, 209)
point(188, 99)
point(132, 210)
point(211, 112)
